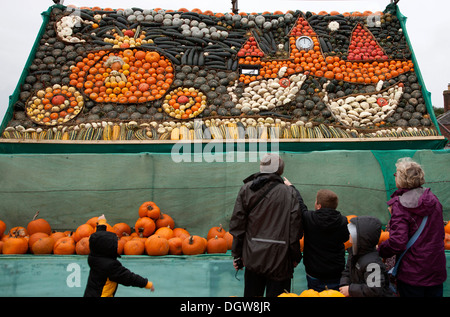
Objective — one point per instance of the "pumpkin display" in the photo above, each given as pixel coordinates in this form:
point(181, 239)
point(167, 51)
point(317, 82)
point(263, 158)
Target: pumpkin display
point(121, 229)
point(113, 75)
point(156, 245)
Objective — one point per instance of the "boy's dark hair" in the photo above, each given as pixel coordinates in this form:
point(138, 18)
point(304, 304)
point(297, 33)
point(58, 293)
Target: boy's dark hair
point(327, 199)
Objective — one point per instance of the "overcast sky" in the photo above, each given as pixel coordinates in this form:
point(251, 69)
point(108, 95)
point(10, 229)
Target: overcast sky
point(426, 26)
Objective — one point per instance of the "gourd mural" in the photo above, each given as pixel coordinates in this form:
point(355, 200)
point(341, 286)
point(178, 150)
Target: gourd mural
point(134, 74)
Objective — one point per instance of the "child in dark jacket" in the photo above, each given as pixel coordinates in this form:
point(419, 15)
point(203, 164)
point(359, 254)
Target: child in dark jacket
point(325, 232)
point(106, 272)
point(365, 274)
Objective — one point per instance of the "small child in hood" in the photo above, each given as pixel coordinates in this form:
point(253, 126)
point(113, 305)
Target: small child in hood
point(365, 274)
point(106, 272)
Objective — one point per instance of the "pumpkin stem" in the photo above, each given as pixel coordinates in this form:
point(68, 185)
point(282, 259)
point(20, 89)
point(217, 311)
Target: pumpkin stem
point(35, 215)
point(220, 228)
point(191, 239)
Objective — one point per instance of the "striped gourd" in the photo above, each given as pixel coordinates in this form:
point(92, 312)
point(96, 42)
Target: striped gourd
point(107, 132)
point(6, 135)
point(140, 134)
point(81, 133)
point(165, 136)
point(318, 133)
point(241, 130)
point(65, 136)
point(262, 133)
point(50, 134)
point(295, 131)
point(310, 133)
point(197, 134)
point(115, 135)
point(334, 132)
point(123, 132)
point(58, 135)
point(42, 135)
point(325, 131)
point(303, 132)
point(215, 132)
point(89, 135)
point(286, 133)
point(274, 132)
point(129, 134)
point(73, 134)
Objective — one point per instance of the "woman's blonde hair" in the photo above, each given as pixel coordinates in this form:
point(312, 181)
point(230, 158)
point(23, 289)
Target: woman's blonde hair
point(409, 173)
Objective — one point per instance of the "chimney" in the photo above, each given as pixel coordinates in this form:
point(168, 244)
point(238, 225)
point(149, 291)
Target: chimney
point(447, 99)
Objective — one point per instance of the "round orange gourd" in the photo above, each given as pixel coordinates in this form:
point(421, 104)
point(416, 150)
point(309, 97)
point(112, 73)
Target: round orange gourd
point(309, 293)
point(384, 235)
point(2, 229)
point(43, 246)
point(134, 247)
point(149, 209)
point(165, 221)
point(181, 233)
point(121, 229)
point(156, 245)
point(15, 245)
point(447, 241)
point(64, 246)
point(216, 231)
point(38, 225)
point(18, 231)
point(193, 245)
point(164, 232)
point(82, 246)
point(446, 228)
point(175, 246)
point(216, 245)
point(145, 226)
point(84, 230)
point(331, 293)
point(229, 238)
point(34, 237)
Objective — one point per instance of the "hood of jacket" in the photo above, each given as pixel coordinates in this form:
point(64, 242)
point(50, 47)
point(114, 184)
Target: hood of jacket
point(365, 234)
point(419, 201)
point(103, 243)
point(260, 179)
point(326, 218)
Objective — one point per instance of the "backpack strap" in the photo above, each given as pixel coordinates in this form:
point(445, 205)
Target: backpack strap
point(269, 188)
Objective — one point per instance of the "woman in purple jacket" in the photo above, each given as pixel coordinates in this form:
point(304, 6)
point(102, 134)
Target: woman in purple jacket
point(422, 270)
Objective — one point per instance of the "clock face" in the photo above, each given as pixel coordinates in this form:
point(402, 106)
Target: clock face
point(304, 43)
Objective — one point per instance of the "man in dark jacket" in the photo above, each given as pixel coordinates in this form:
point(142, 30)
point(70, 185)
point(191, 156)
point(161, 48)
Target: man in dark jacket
point(266, 228)
point(325, 232)
point(106, 272)
point(365, 274)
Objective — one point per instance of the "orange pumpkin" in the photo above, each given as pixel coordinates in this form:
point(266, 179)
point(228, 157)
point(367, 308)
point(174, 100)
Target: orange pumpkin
point(134, 247)
point(446, 227)
point(34, 237)
point(309, 293)
point(181, 233)
point(149, 209)
point(175, 246)
point(2, 228)
point(38, 225)
point(193, 245)
point(229, 238)
point(43, 246)
point(145, 226)
point(58, 235)
point(447, 241)
point(18, 231)
point(82, 246)
point(216, 245)
point(216, 231)
point(121, 229)
point(15, 245)
point(164, 232)
point(84, 230)
point(156, 245)
point(64, 246)
point(93, 222)
point(331, 293)
point(165, 221)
